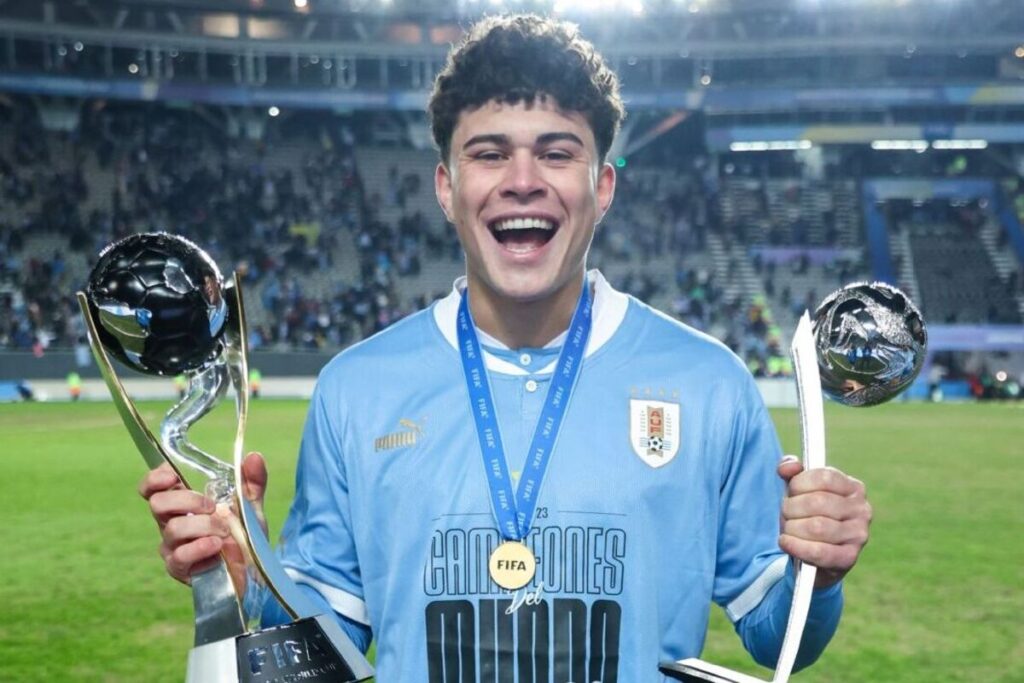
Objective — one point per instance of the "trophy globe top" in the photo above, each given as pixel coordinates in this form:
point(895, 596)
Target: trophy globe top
point(871, 341)
point(159, 302)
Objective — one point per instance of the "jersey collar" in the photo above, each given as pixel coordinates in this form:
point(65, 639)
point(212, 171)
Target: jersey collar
point(609, 310)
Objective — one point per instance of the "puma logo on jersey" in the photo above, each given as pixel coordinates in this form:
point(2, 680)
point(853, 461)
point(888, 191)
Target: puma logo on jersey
point(402, 439)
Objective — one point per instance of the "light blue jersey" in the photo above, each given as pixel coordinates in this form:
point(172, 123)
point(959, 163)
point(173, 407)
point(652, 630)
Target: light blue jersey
point(661, 497)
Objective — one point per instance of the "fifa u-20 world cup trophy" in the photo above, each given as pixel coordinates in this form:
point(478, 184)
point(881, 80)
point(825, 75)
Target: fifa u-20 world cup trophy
point(866, 344)
point(158, 304)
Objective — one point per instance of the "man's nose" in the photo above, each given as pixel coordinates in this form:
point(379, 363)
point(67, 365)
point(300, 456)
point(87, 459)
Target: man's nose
point(523, 179)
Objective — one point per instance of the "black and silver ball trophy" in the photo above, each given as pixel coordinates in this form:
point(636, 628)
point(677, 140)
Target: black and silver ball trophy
point(871, 343)
point(866, 345)
point(158, 304)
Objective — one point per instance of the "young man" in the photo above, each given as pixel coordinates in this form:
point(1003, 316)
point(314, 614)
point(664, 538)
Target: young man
point(613, 469)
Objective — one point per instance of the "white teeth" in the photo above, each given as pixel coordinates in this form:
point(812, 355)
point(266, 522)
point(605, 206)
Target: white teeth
point(524, 223)
point(521, 249)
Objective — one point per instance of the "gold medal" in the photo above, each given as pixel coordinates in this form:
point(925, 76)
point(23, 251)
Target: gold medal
point(512, 565)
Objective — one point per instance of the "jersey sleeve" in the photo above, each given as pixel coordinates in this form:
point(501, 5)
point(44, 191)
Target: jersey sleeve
point(749, 560)
point(317, 546)
point(754, 577)
point(764, 627)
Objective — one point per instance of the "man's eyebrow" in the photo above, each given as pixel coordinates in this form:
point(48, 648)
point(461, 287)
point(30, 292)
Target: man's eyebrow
point(503, 140)
point(493, 138)
point(548, 138)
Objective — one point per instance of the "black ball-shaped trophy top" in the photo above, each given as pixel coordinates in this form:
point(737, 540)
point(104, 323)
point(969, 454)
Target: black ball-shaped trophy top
point(871, 343)
point(158, 300)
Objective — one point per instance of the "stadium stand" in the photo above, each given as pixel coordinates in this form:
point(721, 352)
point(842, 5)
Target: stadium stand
point(334, 241)
point(335, 231)
point(954, 256)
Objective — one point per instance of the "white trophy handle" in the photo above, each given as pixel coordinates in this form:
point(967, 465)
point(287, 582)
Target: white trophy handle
point(812, 420)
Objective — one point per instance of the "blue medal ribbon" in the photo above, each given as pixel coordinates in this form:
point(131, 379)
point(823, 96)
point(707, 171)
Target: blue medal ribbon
point(514, 510)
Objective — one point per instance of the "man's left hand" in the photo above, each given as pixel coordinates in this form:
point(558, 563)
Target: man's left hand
point(825, 519)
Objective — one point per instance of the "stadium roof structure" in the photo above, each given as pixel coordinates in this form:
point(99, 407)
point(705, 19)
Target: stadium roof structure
point(643, 29)
point(788, 64)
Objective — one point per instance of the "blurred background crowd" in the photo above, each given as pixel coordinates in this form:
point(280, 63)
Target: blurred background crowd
point(730, 214)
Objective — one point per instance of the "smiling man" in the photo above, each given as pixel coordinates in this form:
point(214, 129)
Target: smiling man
point(540, 478)
point(525, 186)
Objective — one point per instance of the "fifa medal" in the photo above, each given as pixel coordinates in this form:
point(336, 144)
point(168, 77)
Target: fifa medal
point(512, 565)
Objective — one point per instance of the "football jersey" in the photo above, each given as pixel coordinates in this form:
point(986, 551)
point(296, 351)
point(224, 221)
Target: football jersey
point(660, 498)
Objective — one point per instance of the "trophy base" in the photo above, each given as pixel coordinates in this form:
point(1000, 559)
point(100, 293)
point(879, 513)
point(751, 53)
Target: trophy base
point(697, 671)
point(302, 650)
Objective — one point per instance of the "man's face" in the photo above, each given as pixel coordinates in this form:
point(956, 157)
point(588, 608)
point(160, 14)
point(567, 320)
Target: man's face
point(525, 190)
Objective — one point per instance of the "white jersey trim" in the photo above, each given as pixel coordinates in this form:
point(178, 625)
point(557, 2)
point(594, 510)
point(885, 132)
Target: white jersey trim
point(755, 592)
point(609, 311)
point(340, 601)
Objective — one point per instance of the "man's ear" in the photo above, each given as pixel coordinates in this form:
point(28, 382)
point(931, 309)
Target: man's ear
point(443, 189)
point(605, 189)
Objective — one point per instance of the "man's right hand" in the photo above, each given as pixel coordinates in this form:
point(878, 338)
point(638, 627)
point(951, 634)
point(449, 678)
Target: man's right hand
point(193, 531)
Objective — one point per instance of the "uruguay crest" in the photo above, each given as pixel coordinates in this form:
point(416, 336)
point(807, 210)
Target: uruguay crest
point(654, 430)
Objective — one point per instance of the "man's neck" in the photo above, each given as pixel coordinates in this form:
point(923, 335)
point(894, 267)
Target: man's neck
point(519, 324)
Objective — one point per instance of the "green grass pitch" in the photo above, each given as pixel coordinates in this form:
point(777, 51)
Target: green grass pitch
point(938, 594)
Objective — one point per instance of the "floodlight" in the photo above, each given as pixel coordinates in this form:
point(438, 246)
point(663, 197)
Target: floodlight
point(772, 146)
point(960, 144)
point(900, 145)
point(812, 418)
point(597, 6)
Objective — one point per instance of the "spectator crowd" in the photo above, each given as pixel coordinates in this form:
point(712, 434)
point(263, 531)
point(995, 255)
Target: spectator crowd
point(322, 251)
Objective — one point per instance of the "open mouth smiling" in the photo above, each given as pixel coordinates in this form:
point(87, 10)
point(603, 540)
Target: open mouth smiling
point(523, 234)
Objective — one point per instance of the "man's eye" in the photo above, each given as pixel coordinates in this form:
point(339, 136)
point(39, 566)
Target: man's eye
point(556, 155)
point(489, 155)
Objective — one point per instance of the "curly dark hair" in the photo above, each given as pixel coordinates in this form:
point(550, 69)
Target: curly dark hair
point(525, 57)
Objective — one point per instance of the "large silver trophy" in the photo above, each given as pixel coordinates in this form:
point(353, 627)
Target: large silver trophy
point(866, 345)
point(158, 304)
